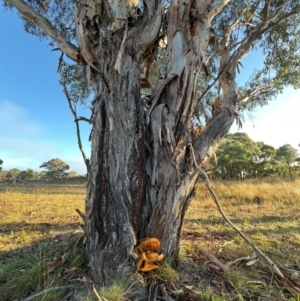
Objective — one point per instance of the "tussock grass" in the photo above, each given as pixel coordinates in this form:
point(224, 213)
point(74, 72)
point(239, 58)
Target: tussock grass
point(165, 273)
point(118, 291)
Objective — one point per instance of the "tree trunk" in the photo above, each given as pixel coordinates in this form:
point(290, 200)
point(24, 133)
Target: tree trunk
point(142, 176)
point(116, 180)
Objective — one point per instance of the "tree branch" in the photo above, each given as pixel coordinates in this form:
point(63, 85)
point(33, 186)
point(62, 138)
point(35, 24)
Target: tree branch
point(274, 24)
point(206, 143)
point(254, 92)
point(216, 7)
point(259, 29)
point(279, 11)
point(230, 30)
point(81, 118)
point(215, 79)
point(34, 17)
point(265, 11)
point(85, 159)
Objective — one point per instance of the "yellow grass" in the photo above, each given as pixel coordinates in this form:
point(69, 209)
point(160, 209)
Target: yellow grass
point(38, 214)
point(38, 223)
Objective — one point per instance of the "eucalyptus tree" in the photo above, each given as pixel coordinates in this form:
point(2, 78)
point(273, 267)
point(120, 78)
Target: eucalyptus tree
point(55, 168)
point(142, 170)
point(238, 156)
point(265, 163)
point(12, 173)
point(27, 174)
point(287, 155)
point(235, 156)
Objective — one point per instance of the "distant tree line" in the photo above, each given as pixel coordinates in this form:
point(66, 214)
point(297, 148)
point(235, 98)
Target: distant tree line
point(239, 157)
point(53, 169)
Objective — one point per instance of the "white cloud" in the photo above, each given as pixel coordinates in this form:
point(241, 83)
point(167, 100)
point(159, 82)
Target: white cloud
point(23, 143)
point(14, 121)
point(25, 153)
point(21, 139)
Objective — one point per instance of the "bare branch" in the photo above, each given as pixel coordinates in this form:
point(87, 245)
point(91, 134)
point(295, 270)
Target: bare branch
point(217, 78)
point(210, 56)
point(34, 17)
point(81, 118)
point(16, 179)
point(85, 159)
point(215, 260)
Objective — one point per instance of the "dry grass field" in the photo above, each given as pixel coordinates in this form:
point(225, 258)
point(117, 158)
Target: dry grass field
point(39, 224)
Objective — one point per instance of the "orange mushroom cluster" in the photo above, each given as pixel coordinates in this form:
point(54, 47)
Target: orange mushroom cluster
point(148, 259)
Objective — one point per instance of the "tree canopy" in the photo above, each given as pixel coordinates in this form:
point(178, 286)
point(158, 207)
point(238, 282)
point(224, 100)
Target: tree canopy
point(269, 27)
point(27, 174)
point(55, 168)
point(288, 155)
point(1, 162)
point(239, 157)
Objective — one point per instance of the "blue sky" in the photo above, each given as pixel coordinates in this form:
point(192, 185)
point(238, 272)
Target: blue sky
point(36, 124)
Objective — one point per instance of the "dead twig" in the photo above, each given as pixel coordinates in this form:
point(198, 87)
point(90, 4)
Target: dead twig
point(213, 259)
point(81, 214)
point(216, 200)
point(166, 297)
point(96, 293)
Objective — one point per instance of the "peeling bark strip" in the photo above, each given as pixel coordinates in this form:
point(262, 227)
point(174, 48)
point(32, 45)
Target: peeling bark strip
point(175, 15)
point(141, 174)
